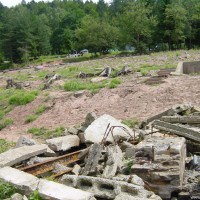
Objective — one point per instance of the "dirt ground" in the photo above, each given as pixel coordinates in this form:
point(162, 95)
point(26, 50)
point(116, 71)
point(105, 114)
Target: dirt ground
point(132, 99)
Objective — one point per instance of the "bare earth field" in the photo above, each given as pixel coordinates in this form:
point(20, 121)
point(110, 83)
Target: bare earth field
point(131, 99)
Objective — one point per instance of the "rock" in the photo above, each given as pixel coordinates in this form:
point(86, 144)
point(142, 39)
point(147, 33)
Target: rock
point(81, 136)
point(24, 141)
point(106, 72)
point(73, 131)
point(95, 132)
point(98, 79)
point(93, 159)
point(53, 190)
point(114, 161)
point(37, 159)
point(90, 117)
point(59, 168)
point(14, 156)
point(79, 93)
point(17, 196)
point(76, 170)
point(20, 180)
point(63, 143)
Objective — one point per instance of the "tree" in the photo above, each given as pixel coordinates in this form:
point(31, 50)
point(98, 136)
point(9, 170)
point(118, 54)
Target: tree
point(137, 25)
point(96, 35)
point(175, 22)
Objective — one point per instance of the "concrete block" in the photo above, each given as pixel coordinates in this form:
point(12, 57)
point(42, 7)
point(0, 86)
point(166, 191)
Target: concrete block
point(63, 143)
point(14, 156)
point(23, 181)
point(105, 188)
point(56, 191)
point(95, 132)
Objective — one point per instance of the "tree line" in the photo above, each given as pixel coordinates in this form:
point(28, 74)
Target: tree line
point(30, 30)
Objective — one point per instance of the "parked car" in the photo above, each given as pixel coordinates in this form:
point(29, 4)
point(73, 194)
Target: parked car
point(84, 51)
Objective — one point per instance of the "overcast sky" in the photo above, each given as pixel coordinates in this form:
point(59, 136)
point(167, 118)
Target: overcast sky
point(10, 3)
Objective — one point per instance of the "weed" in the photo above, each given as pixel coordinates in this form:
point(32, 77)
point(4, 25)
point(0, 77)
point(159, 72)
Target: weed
point(131, 123)
point(22, 97)
point(30, 118)
point(35, 196)
point(40, 110)
point(5, 123)
point(45, 133)
point(7, 190)
point(2, 113)
point(4, 146)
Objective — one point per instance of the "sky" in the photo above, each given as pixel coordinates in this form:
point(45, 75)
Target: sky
point(10, 3)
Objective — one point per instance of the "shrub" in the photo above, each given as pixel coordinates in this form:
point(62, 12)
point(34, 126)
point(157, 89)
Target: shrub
point(22, 97)
point(131, 123)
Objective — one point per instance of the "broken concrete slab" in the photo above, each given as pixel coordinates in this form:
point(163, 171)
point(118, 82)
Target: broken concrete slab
point(98, 79)
point(14, 156)
point(177, 109)
point(93, 158)
point(105, 188)
point(161, 163)
point(180, 130)
point(114, 161)
point(90, 117)
point(20, 180)
point(182, 119)
point(95, 132)
point(76, 170)
point(56, 191)
point(63, 143)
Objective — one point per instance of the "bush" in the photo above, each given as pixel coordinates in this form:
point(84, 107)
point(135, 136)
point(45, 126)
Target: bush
point(22, 98)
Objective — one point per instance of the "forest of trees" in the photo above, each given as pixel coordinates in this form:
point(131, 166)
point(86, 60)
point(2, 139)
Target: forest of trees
point(30, 30)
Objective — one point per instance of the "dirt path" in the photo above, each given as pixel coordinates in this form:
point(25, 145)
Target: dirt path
point(132, 99)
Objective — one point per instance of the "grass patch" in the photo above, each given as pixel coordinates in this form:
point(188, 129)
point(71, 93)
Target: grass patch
point(45, 133)
point(7, 190)
point(40, 110)
point(114, 83)
point(22, 97)
point(35, 196)
point(5, 123)
point(131, 123)
point(4, 146)
point(78, 85)
point(30, 118)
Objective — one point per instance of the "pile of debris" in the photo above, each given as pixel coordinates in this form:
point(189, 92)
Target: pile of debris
point(105, 159)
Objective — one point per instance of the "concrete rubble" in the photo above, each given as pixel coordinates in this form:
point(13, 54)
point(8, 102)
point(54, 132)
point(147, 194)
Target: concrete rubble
point(63, 143)
point(28, 183)
point(149, 162)
point(95, 132)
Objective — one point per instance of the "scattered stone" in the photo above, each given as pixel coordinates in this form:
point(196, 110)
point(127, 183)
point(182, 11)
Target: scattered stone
point(126, 70)
point(73, 131)
point(76, 170)
point(37, 159)
point(17, 196)
point(95, 132)
point(106, 72)
point(114, 161)
point(93, 159)
point(63, 143)
point(24, 141)
point(14, 156)
point(59, 168)
point(90, 117)
point(79, 93)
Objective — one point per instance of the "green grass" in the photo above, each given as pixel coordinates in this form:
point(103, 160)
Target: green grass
point(5, 123)
point(22, 97)
point(6, 190)
point(114, 83)
point(35, 196)
point(30, 118)
point(5, 145)
point(45, 133)
point(131, 123)
point(40, 110)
